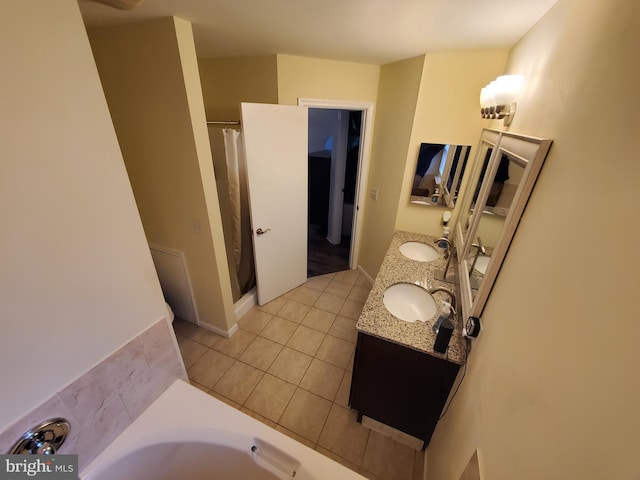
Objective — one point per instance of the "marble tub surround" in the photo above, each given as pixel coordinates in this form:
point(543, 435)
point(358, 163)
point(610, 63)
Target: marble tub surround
point(396, 268)
point(100, 404)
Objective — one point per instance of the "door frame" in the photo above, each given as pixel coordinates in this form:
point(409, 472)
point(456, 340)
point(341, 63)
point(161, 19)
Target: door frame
point(367, 109)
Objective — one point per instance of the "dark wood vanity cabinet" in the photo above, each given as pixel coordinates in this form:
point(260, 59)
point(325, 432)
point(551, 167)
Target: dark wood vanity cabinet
point(400, 387)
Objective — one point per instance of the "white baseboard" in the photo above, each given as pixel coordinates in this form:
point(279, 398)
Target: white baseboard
point(246, 303)
point(218, 330)
point(240, 308)
point(365, 274)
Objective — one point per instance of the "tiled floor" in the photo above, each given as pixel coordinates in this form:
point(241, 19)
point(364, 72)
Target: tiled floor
point(289, 366)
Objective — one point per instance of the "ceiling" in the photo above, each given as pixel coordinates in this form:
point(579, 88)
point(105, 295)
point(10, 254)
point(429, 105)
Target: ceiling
point(365, 31)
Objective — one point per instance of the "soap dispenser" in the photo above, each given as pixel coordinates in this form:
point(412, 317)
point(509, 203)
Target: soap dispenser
point(443, 329)
point(445, 314)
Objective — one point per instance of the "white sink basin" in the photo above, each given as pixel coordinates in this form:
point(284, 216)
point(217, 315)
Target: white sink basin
point(409, 302)
point(419, 251)
point(481, 264)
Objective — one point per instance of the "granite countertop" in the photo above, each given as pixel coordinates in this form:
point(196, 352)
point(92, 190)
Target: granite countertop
point(375, 320)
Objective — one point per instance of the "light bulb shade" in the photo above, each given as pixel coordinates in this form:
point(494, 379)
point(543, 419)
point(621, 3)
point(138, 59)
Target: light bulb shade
point(487, 96)
point(484, 98)
point(507, 88)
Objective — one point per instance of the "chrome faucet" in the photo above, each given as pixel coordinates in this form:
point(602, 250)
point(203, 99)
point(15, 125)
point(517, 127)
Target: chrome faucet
point(447, 245)
point(452, 297)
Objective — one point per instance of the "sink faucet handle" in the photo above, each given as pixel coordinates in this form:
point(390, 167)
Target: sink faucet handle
point(447, 304)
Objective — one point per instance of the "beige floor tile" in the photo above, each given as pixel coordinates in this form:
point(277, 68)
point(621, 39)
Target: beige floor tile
point(261, 353)
point(184, 328)
point(322, 379)
point(347, 276)
point(330, 302)
point(195, 333)
point(279, 330)
point(344, 436)
point(335, 351)
point(337, 458)
point(295, 436)
point(254, 320)
point(351, 309)
point(210, 368)
point(387, 458)
point(274, 305)
point(306, 414)
point(342, 397)
point(305, 295)
point(258, 417)
point(290, 365)
point(239, 381)
point(418, 465)
point(338, 288)
point(362, 281)
point(235, 345)
point(371, 476)
point(318, 283)
point(226, 400)
point(359, 294)
point(344, 328)
point(306, 340)
point(270, 397)
point(206, 337)
point(191, 351)
point(200, 387)
point(294, 311)
point(319, 319)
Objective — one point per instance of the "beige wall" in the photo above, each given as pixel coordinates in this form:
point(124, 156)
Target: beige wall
point(151, 81)
point(395, 111)
point(302, 77)
point(552, 390)
point(228, 81)
point(447, 111)
point(77, 280)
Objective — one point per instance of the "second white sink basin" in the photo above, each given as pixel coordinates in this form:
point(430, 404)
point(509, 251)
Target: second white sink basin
point(419, 251)
point(482, 263)
point(409, 302)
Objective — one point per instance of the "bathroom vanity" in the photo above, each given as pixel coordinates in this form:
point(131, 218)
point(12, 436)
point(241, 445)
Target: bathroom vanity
point(398, 378)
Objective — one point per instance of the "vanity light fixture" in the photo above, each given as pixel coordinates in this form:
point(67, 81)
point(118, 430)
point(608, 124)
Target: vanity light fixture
point(498, 99)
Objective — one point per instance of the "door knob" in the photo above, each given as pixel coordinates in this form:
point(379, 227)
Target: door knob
point(262, 232)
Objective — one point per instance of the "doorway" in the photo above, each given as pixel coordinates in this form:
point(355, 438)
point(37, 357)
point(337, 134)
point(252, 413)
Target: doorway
point(333, 161)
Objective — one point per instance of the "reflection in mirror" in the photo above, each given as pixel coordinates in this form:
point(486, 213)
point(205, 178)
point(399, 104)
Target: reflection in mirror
point(438, 175)
point(505, 171)
point(500, 198)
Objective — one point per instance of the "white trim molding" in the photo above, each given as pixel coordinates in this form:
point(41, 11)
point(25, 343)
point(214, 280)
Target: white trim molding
point(368, 109)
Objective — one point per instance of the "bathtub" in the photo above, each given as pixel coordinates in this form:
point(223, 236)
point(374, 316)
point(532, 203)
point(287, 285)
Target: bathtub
point(188, 434)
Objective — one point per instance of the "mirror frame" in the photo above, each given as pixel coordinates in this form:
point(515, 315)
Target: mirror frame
point(528, 152)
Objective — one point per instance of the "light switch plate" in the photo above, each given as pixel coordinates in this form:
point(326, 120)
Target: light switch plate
point(374, 193)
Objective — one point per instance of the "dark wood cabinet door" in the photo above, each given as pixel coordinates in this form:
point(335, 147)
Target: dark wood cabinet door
point(400, 387)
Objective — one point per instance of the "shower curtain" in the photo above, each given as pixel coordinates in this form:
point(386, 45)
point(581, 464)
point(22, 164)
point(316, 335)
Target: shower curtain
point(242, 248)
point(233, 149)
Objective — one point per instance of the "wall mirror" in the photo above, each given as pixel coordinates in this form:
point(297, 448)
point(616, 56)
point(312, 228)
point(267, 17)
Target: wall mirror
point(438, 176)
point(506, 168)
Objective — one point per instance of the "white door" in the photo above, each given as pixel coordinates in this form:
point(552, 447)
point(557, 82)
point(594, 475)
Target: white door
point(276, 149)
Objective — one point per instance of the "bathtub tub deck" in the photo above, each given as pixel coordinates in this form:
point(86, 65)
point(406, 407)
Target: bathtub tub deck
point(188, 433)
